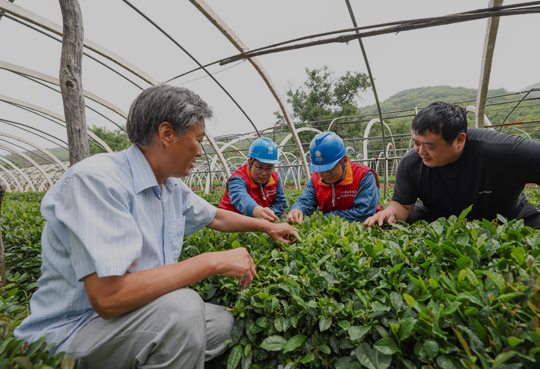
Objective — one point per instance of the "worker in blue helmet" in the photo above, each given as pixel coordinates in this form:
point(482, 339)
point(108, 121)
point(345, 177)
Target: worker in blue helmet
point(337, 186)
point(255, 189)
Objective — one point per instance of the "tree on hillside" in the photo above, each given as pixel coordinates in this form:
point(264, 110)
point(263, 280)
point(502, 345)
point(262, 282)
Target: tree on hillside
point(117, 140)
point(323, 96)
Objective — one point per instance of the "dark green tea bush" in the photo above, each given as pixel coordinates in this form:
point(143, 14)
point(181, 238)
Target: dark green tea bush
point(448, 294)
point(22, 225)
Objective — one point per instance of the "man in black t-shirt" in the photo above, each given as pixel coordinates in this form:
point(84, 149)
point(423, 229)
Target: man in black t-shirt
point(451, 168)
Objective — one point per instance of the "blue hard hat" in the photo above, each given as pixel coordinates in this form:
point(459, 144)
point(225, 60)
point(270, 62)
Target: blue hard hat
point(326, 150)
point(264, 150)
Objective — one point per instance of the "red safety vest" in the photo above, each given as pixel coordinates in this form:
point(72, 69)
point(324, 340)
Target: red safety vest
point(263, 195)
point(341, 196)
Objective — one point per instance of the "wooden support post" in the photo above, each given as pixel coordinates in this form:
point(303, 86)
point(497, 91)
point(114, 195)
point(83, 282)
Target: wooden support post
point(487, 59)
point(71, 81)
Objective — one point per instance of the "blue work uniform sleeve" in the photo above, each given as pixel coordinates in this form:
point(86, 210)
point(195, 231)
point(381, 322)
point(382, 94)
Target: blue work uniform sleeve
point(365, 201)
point(280, 201)
point(307, 202)
point(240, 197)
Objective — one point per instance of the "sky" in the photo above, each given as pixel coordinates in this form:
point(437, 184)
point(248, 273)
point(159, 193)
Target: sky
point(446, 55)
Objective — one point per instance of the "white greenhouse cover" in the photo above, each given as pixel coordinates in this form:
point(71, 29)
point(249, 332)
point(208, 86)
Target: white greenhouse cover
point(443, 55)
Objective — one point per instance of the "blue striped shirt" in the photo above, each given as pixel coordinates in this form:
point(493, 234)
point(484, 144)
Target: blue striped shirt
point(107, 215)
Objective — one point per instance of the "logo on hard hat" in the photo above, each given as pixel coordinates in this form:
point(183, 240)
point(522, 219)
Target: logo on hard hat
point(270, 150)
point(318, 155)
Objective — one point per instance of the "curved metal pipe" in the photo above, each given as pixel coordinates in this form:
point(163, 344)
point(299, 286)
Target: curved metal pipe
point(57, 29)
point(366, 138)
point(46, 152)
point(240, 46)
point(53, 80)
point(30, 160)
point(32, 130)
point(372, 80)
point(32, 108)
point(194, 59)
point(58, 39)
point(21, 173)
point(14, 179)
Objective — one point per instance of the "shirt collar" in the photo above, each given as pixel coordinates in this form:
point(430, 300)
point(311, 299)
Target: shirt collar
point(143, 176)
point(347, 180)
point(171, 183)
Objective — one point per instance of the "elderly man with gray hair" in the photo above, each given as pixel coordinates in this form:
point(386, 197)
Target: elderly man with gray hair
point(112, 292)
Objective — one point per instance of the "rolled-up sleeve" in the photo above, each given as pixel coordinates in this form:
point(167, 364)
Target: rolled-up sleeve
point(91, 217)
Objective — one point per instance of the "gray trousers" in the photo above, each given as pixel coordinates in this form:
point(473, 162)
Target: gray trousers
point(176, 331)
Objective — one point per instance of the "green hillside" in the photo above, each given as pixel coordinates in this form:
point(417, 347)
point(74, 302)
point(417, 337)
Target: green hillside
point(499, 105)
point(422, 96)
point(500, 101)
point(534, 93)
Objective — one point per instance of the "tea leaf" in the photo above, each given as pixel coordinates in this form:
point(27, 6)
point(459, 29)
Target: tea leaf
point(273, 343)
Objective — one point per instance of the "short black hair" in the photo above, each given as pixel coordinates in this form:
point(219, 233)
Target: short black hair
point(446, 120)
